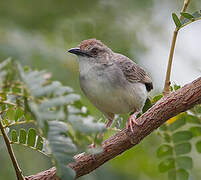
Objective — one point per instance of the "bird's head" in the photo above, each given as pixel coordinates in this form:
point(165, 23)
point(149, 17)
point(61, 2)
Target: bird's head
point(93, 50)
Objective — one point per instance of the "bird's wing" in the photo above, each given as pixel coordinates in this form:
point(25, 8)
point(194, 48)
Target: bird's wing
point(132, 71)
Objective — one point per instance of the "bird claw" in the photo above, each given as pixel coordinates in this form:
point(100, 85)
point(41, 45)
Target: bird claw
point(131, 122)
point(91, 146)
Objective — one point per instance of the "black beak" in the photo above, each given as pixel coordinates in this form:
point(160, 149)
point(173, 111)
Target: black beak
point(79, 52)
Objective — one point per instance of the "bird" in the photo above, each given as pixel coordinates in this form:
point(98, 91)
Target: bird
point(112, 82)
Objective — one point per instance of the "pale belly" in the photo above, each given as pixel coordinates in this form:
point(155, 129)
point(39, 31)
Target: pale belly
point(113, 95)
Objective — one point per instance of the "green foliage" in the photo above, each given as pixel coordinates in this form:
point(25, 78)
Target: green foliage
point(198, 146)
point(147, 105)
point(177, 137)
point(187, 18)
point(187, 15)
point(62, 148)
point(181, 136)
point(63, 123)
point(178, 124)
point(157, 97)
point(176, 20)
point(28, 138)
point(23, 137)
point(177, 134)
point(164, 150)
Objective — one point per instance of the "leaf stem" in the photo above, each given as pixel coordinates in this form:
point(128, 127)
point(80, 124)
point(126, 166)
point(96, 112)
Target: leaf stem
point(19, 123)
point(8, 103)
point(174, 38)
point(11, 153)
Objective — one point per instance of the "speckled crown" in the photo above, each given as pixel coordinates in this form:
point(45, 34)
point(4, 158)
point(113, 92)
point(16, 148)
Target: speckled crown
point(90, 42)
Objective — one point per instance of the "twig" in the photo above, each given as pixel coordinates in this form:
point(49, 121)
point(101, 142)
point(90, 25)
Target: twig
point(174, 38)
point(11, 153)
point(169, 106)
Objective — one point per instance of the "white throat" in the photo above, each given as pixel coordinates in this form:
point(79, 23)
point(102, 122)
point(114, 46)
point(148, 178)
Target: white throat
point(85, 64)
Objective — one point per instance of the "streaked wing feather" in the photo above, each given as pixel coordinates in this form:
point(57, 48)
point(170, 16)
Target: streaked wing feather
point(132, 71)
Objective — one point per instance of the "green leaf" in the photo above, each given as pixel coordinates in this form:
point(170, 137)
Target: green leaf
point(18, 114)
point(166, 165)
point(55, 88)
point(147, 105)
point(86, 124)
point(3, 107)
point(172, 174)
point(14, 136)
point(182, 148)
point(167, 137)
point(57, 135)
point(26, 68)
point(182, 174)
point(16, 90)
point(197, 109)
point(62, 147)
point(39, 144)
point(184, 162)
point(31, 137)
point(192, 119)
point(197, 14)
point(187, 15)
point(3, 97)
point(176, 87)
point(178, 123)
point(5, 121)
point(196, 131)
point(10, 115)
point(63, 90)
point(164, 150)
point(176, 20)
point(27, 117)
point(59, 101)
point(65, 172)
point(198, 146)
point(181, 136)
point(163, 127)
point(22, 136)
point(190, 18)
point(156, 98)
point(46, 90)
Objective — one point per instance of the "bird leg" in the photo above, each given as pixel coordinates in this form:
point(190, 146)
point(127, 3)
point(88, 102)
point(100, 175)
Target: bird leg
point(109, 123)
point(132, 120)
point(92, 145)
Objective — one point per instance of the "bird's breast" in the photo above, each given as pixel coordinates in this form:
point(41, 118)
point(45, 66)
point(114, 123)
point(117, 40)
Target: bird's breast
point(109, 91)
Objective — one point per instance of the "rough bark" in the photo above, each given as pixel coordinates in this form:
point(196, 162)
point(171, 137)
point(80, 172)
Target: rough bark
point(169, 106)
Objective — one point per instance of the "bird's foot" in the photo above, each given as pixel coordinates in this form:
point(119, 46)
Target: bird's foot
point(91, 146)
point(109, 123)
point(132, 120)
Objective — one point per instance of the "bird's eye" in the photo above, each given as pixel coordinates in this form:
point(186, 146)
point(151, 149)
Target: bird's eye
point(94, 51)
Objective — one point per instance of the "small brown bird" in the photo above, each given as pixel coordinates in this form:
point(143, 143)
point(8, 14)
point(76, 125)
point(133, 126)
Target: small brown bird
point(111, 81)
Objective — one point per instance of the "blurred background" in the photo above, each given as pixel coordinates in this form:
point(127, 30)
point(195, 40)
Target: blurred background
point(38, 33)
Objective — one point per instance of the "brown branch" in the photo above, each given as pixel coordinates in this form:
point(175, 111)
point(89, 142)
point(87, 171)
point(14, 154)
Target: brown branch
point(169, 106)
